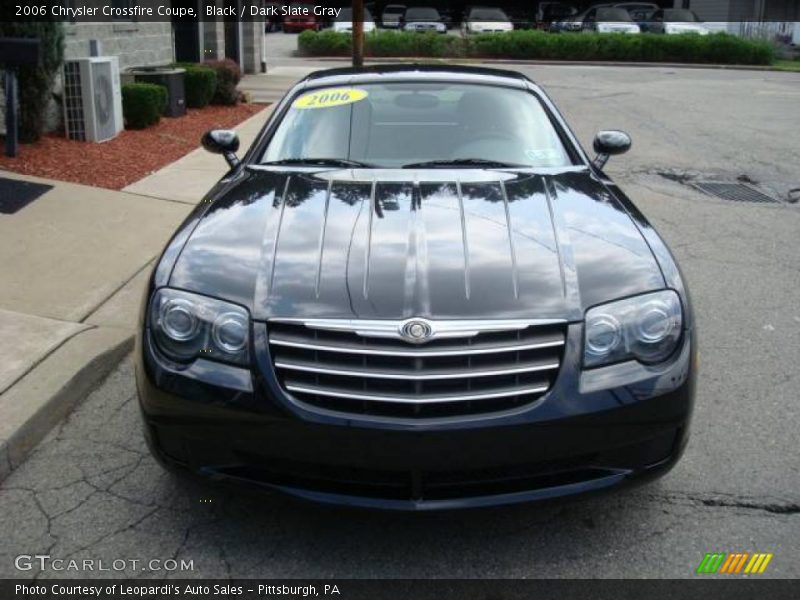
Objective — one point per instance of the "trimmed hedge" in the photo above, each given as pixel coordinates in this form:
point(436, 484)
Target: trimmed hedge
point(381, 43)
point(143, 104)
point(718, 48)
point(200, 83)
point(228, 77)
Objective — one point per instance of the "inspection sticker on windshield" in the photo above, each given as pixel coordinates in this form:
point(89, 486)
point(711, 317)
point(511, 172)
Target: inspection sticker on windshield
point(330, 97)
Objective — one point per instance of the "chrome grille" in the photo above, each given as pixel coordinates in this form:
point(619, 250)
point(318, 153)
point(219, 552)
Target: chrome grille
point(365, 368)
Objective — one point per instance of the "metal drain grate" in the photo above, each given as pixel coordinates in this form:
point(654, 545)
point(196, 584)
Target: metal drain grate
point(736, 192)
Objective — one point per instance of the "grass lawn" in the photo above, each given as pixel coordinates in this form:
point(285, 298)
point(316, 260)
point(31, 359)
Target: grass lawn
point(787, 65)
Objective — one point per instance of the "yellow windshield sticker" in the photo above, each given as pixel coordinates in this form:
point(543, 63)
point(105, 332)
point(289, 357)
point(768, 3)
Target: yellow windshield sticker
point(330, 97)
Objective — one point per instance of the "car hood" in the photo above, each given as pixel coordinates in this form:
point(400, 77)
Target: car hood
point(433, 243)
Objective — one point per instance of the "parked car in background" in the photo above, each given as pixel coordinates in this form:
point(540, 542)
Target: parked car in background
point(485, 19)
point(642, 17)
point(635, 6)
point(344, 22)
point(547, 12)
point(609, 20)
point(569, 24)
point(553, 12)
point(296, 23)
point(676, 20)
point(392, 16)
point(447, 15)
point(423, 19)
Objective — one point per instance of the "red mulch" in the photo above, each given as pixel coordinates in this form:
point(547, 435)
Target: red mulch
point(131, 155)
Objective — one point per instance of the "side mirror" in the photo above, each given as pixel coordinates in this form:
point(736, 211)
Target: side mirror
point(608, 143)
point(222, 141)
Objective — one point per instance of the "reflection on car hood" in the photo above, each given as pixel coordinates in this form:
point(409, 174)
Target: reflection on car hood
point(446, 243)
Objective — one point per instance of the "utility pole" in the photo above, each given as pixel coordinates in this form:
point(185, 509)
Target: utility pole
point(358, 33)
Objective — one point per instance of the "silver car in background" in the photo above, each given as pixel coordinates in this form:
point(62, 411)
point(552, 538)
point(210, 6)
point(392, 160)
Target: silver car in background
point(674, 21)
point(423, 19)
point(392, 16)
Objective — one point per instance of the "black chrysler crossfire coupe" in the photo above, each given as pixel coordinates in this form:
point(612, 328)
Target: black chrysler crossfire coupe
point(416, 291)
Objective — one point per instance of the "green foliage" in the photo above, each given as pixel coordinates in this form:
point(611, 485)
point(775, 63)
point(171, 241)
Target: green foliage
point(200, 82)
point(324, 43)
point(228, 77)
point(719, 48)
point(380, 43)
point(402, 43)
point(36, 81)
point(143, 104)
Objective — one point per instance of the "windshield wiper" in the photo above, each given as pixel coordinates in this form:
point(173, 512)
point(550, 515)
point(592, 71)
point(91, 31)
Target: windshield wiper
point(327, 162)
point(462, 162)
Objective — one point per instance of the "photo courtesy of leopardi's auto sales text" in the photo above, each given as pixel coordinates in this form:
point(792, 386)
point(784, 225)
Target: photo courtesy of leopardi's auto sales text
point(391, 299)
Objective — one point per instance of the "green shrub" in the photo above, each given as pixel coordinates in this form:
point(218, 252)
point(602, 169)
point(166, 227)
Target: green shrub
point(143, 104)
point(380, 43)
point(324, 43)
point(36, 81)
point(228, 77)
point(720, 48)
point(200, 83)
point(405, 43)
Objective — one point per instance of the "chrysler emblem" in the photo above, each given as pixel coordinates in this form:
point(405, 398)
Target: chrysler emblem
point(416, 331)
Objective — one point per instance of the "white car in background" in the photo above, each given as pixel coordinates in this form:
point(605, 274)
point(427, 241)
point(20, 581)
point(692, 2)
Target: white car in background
point(392, 16)
point(424, 19)
point(344, 22)
point(609, 20)
point(485, 19)
point(674, 21)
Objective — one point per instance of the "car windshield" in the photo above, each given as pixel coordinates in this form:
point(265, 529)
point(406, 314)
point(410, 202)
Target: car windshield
point(487, 14)
point(422, 14)
point(397, 124)
point(346, 15)
point(613, 14)
point(679, 15)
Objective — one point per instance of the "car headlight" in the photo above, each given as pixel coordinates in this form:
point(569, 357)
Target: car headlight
point(186, 326)
point(646, 328)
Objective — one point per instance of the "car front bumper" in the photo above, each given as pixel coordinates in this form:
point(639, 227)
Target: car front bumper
point(575, 440)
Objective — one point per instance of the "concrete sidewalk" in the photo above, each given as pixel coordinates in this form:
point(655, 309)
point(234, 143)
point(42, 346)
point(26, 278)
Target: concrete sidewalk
point(66, 310)
point(189, 178)
point(271, 87)
point(76, 263)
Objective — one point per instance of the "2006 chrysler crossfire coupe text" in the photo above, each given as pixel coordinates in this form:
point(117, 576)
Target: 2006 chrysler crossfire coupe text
point(417, 291)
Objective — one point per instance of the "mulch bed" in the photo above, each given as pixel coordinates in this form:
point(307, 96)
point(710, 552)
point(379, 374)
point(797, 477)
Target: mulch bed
point(131, 155)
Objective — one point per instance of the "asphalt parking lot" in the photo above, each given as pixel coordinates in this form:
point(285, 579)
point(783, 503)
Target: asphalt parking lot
point(91, 490)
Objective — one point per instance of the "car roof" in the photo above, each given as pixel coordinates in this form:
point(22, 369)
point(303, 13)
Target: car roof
point(415, 72)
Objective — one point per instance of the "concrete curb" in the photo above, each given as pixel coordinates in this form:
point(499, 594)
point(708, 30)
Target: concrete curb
point(555, 63)
point(49, 392)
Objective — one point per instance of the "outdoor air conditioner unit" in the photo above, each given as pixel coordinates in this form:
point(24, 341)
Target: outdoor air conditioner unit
point(92, 98)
